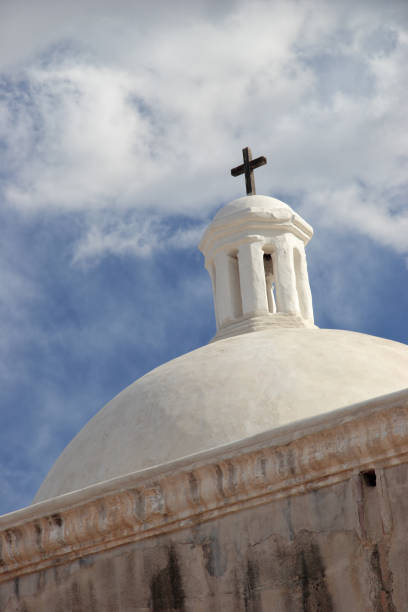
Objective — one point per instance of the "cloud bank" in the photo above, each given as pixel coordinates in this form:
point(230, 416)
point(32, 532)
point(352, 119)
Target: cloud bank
point(140, 114)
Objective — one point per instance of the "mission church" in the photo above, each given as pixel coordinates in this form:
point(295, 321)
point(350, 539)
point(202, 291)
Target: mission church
point(266, 471)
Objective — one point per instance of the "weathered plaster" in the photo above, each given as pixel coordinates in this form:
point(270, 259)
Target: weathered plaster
point(282, 521)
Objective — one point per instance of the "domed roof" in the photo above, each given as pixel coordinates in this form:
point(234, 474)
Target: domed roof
point(260, 203)
point(226, 391)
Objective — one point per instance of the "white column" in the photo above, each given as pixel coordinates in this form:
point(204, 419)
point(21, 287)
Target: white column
point(286, 292)
point(211, 271)
point(224, 291)
point(235, 288)
point(252, 278)
point(303, 286)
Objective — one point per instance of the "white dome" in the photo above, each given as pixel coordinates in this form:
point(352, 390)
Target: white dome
point(227, 391)
point(259, 203)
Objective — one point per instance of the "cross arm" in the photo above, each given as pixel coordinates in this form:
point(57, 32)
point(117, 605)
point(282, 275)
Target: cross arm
point(254, 163)
point(238, 170)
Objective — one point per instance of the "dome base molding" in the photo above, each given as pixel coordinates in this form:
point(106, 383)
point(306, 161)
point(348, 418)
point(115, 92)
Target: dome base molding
point(252, 323)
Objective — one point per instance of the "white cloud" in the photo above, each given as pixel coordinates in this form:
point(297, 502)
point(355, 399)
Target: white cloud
point(359, 209)
point(133, 234)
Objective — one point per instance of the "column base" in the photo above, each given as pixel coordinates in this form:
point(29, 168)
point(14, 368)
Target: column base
point(253, 322)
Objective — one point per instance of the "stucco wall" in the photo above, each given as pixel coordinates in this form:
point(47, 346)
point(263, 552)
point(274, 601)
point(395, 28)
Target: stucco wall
point(343, 547)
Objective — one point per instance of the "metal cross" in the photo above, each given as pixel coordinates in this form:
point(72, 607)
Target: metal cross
point(248, 168)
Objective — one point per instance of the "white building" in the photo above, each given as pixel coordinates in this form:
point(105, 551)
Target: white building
point(264, 471)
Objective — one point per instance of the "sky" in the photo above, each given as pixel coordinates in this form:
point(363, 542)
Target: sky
point(119, 123)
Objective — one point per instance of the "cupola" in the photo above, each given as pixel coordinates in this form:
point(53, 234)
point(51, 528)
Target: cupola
point(255, 254)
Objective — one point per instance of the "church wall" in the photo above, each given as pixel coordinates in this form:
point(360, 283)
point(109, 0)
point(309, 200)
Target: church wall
point(311, 516)
point(342, 547)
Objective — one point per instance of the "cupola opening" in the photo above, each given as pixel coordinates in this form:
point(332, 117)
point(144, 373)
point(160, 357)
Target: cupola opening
point(270, 282)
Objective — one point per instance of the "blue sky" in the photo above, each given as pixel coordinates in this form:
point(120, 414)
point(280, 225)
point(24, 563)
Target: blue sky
point(118, 126)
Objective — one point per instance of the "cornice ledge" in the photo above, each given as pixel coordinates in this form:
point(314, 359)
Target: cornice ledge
point(258, 322)
point(287, 461)
point(239, 223)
